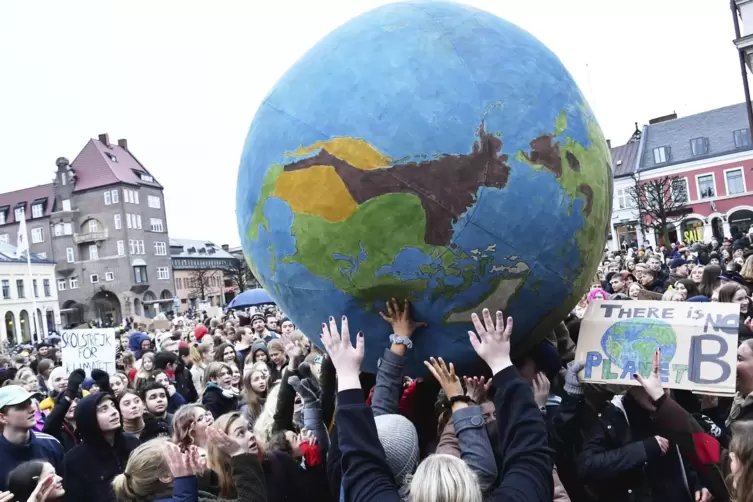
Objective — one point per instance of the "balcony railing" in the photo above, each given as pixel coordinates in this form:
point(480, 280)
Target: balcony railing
point(90, 237)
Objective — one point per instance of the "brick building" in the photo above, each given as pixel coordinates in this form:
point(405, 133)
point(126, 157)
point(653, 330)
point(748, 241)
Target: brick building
point(103, 222)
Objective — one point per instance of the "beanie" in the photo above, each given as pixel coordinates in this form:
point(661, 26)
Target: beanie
point(400, 442)
point(199, 331)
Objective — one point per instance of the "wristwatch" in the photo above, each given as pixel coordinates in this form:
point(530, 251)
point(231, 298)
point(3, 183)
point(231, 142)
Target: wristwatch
point(401, 340)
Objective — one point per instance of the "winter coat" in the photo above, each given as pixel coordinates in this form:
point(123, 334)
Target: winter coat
point(56, 426)
point(216, 402)
point(621, 459)
point(41, 446)
point(184, 384)
point(135, 341)
point(90, 467)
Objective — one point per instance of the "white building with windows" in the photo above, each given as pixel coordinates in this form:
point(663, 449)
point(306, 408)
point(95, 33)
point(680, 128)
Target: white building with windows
point(19, 293)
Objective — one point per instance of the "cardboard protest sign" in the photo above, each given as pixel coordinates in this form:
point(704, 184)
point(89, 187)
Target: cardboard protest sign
point(698, 343)
point(88, 349)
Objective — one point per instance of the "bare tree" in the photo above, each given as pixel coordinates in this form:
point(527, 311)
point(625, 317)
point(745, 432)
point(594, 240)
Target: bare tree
point(241, 275)
point(202, 281)
point(659, 201)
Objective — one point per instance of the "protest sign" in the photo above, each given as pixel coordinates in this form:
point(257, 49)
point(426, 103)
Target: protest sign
point(698, 343)
point(88, 349)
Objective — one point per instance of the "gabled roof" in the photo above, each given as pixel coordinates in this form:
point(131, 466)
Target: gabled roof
point(202, 249)
point(717, 125)
point(44, 193)
point(8, 254)
point(99, 164)
point(624, 159)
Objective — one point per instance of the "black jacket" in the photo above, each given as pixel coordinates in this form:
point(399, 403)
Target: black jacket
point(216, 403)
point(91, 466)
point(621, 459)
point(184, 384)
point(56, 426)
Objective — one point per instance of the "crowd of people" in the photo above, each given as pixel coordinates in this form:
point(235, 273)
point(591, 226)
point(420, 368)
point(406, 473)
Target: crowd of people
point(245, 407)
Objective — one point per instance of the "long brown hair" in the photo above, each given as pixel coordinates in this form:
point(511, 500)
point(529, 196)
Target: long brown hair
point(220, 462)
point(184, 424)
point(741, 483)
point(254, 401)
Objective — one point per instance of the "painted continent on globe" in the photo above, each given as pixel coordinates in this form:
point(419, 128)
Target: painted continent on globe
point(428, 151)
point(635, 341)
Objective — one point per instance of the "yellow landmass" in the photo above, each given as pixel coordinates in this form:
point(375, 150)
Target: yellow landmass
point(316, 190)
point(356, 152)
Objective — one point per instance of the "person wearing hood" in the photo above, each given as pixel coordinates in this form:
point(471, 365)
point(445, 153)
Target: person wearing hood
point(137, 342)
point(61, 422)
point(90, 467)
point(18, 442)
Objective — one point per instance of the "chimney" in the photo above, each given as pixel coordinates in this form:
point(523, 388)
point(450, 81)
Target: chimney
point(665, 118)
point(226, 247)
point(105, 139)
point(609, 143)
point(123, 143)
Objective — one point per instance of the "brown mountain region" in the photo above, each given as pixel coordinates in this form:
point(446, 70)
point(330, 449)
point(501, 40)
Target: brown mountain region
point(445, 185)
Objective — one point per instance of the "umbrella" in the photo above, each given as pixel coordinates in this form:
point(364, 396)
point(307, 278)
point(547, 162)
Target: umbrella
point(249, 299)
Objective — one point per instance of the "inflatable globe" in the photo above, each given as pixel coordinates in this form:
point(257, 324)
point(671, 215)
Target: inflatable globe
point(428, 151)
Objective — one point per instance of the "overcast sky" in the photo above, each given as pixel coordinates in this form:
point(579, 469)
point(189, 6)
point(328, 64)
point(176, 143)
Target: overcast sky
point(181, 80)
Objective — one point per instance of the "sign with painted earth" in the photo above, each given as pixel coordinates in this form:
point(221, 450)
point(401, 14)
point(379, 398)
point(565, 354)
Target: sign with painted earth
point(630, 343)
point(429, 151)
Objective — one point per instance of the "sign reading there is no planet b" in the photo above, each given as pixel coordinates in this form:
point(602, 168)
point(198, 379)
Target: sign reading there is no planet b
point(88, 349)
point(698, 343)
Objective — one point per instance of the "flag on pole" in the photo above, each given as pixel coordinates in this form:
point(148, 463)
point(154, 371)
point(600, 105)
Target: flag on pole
point(22, 243)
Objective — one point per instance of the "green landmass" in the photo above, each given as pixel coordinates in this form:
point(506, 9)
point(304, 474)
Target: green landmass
point(267, 189)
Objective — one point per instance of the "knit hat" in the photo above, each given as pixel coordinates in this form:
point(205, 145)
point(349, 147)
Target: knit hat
point(260, 345)
point(677, 262)
point(199, 331)
point(88, 383)
point(400, 442)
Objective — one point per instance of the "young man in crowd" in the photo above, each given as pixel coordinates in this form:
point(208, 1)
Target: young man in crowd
point(154, 396)
point(243, 347)
point(287, 327)
point(18, 443)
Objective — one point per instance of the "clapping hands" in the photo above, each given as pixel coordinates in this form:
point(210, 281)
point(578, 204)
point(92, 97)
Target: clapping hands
point(183, 464)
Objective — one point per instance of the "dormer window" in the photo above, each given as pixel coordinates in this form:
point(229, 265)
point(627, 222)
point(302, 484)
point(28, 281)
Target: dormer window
point(4, 215)
point(146, 177)
point(699, 146)
point(36, 211)
point(19, 213)
point(112, 157)
point(661, 155)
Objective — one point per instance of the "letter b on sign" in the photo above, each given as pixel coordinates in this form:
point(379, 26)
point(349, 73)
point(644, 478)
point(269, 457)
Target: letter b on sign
point(697, 357)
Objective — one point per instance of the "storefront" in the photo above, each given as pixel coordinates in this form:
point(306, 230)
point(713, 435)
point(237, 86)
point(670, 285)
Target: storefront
point(627, 234)
point(692, 230)
point(740, 221)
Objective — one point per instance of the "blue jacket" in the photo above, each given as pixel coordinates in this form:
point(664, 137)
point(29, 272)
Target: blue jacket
point(134, 343)
point(41, 446)
point(185, 489)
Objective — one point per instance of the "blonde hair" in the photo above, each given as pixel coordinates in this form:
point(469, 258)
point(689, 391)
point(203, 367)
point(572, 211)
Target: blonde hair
point(184, 424)
point(444, 478)
point(219, 461)
point(673, 296)
point(747, 270)
point(214, 370)
point(141, 478)
point(265, 422)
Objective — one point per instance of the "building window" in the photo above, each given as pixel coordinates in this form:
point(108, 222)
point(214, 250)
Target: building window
point(69, 255)
point(706, 186)
point(58, 229)
point(118, 224)
point(20, 213)
point(73, 282)
point(35, 287)
point(742, 138)
point(140, 248)
point(154, 202)
point(163, 273)
point(139, 275)
point(160, 249)
point(661, 154)
point(93, 226)
point(156, 224)
point(129, 224)
point(121, 248)
point(67, 228)
point(624, 199)
point(115, 196)
point(135, 197)
point(735, 182)
point(699, 146)
point(46, 287)
point(137, 221)
point(131, 196)
point(94, 278)
point(109, 276)
point(37, 235)
point(93, 252)
point(36, 211)
point(4, 238)
point(131, 246)
point(20, 288)
point(146, 177)
point(61, 284)
point(66, 204)
point(108, 198)
point(42, 255)
point(6, 289)
point(2, 217)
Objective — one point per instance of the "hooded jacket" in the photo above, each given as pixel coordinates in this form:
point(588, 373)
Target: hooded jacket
point(40, 447)
point(135, 341)
point(216, 402)
point(90, 467)
point(56, 426)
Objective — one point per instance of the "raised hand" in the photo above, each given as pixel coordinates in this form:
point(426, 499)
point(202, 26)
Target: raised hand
point(183, 464)
point(346, 358)
point(652, 384)
point(7, 497)
point(291, 349)
point(541, 389)
point(223, 442)
point(401, 321)
point(306, 436)
point(492, 343)
point(477, 388)
point(446, 377)
point(42, 490)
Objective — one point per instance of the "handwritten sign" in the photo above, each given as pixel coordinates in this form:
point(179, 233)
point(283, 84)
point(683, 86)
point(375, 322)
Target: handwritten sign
point(698, 343)
point(88, 349)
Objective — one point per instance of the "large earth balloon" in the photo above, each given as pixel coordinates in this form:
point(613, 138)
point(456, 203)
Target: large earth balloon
point(429, 151)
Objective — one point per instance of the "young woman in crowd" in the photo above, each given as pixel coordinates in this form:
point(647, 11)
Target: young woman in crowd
point(236, 377)
point(61, 422)
point(201, 355)
point(254, 394)
point(119, 383)
point(132, 410)
point(129, 365)
point(258, 353)
point(278, 360)
point(226, 353)
point(219, 396)
point(35, 481)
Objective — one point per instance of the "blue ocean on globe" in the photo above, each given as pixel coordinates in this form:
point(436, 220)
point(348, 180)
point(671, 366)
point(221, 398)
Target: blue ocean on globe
point(636, 340)
point(429, 151)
